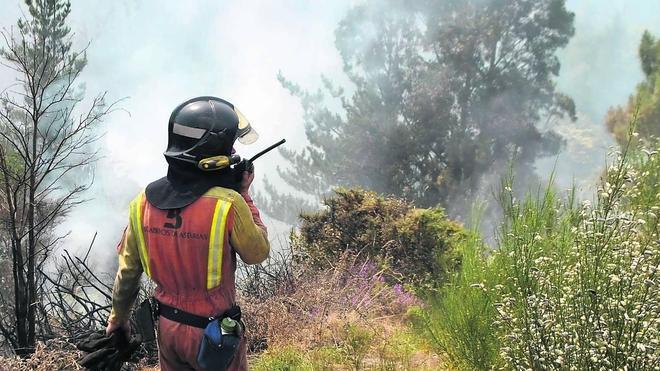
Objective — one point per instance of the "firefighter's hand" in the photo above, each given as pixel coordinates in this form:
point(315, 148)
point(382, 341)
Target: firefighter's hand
point(114, 326)
point(248, 177)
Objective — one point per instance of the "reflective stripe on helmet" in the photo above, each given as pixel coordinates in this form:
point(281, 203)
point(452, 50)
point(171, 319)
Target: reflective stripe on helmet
point(187, 131)
point(216, 244)
point(138, 234)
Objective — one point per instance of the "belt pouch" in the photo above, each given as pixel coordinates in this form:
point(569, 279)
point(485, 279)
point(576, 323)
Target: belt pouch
point(217, 350)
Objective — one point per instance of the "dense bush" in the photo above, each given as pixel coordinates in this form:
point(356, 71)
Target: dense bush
point(416, 244)
point(580, 289)
point(570, 285)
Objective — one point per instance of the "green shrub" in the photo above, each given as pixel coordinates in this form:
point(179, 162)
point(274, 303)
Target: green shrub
point(399, 351)
point(416, 244)
point(377, 348)
point(325, 357)
point(578, 283)
point(458, 319)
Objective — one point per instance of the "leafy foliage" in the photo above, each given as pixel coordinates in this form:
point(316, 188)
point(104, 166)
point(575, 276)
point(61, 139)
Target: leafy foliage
point(644, 106)
point(417, 245)
point(440, 92)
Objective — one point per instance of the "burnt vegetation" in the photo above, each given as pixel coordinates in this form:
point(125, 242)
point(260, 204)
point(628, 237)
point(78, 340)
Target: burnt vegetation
point(47, 145)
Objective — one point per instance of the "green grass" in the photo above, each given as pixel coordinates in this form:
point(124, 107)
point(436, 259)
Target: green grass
point(283, 359)
point(357, 348)
point(458, 319)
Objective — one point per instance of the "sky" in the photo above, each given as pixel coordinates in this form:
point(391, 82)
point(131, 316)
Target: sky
point(155, 54)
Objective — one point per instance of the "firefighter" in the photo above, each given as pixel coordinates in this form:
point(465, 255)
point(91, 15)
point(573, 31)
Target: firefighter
point(185, 231)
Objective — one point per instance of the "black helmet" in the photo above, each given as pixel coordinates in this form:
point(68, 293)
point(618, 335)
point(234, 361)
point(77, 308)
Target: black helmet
point(205, 127)
point(201, 132)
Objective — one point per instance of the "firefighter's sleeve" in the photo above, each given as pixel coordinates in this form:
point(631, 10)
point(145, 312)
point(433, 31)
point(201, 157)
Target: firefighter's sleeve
point(127, 281)
point(249, 236)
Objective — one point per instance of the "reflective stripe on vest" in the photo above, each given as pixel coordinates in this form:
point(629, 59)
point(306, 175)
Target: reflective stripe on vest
point(216, 244)
point(138, 233)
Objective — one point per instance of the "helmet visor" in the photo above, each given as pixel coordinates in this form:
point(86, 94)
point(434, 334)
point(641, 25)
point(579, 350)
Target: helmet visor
point(246, 133)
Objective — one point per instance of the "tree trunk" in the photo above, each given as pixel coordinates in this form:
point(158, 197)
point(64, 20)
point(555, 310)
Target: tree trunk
point(21, 301)
point(31, 248)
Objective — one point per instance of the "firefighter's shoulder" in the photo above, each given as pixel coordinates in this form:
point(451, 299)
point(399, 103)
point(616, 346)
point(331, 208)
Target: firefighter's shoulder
point(225, 194)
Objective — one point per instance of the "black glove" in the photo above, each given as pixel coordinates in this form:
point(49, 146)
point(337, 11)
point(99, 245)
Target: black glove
point(95, 341)
point(239, 168)
point(107, 352)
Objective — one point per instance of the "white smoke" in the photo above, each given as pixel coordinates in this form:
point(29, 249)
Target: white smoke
point(160, 53)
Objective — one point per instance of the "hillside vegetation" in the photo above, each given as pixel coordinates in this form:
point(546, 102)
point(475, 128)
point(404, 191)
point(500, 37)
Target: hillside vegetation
point(570, 285)
point(358, 265)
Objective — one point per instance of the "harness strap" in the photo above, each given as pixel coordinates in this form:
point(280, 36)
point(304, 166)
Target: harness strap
point(189, 319)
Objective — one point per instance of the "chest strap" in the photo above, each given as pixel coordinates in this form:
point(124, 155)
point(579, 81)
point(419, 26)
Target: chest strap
point(189, 319)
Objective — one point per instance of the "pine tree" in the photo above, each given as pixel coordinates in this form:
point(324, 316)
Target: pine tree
point(442, 93)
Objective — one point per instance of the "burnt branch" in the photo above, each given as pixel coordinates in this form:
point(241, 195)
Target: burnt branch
point(77, 298)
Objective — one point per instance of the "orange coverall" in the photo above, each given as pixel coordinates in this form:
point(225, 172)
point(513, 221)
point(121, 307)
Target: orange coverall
point(190, 254)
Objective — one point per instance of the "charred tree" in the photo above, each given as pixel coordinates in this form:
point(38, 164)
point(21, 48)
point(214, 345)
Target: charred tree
point(46, 154)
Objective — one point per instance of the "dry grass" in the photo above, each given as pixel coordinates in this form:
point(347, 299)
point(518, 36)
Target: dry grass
point(306, 312)
point(53, 355)
point(344, 318)
point(57, 355)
